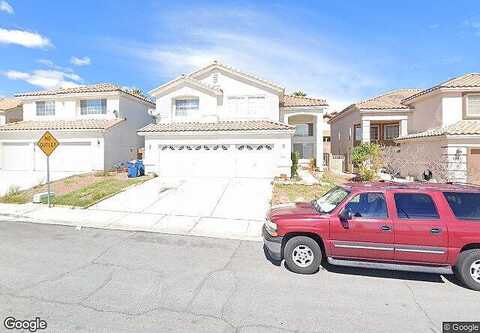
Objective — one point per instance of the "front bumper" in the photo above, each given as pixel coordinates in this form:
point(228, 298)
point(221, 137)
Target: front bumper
point(272, 244)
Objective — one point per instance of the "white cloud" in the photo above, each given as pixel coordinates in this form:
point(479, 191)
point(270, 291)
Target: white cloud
point(474, 24)
point(6, 7)
point(434, 26)
point(52, 65)
point(295, 60)
point(85, 61)
point(24, 38)
point(45, 78)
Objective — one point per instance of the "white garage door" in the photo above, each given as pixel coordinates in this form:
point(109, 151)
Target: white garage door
point(216, 160)
point(69, 156)
point(17, 156)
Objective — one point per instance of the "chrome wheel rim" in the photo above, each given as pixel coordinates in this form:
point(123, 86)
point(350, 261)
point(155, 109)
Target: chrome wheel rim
point(302, 256)
point(475, 271)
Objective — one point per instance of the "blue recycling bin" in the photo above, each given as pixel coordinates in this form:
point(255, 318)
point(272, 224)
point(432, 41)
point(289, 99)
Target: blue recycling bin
point(140, 168)
point(135, 168)
point(132, 169)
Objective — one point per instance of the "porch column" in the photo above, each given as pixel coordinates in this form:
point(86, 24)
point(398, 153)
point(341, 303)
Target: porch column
point(319, 141)
point(365, 131)
point(404, 127)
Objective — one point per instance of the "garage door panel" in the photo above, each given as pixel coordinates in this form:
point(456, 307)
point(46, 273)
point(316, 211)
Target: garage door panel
point(69, 156)
point(17, 156)
point(216, 160)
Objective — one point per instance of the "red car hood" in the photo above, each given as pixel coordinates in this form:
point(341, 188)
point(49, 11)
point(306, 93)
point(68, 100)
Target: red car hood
point(301, 209)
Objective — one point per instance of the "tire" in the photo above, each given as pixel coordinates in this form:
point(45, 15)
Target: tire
point(302, 255)
point(468, 268)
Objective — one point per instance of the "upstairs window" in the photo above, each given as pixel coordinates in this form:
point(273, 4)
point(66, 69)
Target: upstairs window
point(45, 108)
point(184, 106)
point(473, 106)
point(93, 106)
point(246, 105)
point(391, 132)
point(304, 129)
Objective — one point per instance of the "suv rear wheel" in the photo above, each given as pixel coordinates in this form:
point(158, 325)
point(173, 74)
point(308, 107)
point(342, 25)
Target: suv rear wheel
point(468, 268)
point(302, 255)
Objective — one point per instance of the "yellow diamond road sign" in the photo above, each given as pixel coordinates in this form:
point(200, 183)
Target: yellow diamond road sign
point(48, 143)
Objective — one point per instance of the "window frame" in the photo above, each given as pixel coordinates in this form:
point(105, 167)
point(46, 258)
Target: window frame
point(467, 107)
point(385, 131)
point(103, 104)
point(354, 195)
point(444, 193)
point(309, 127)
point(45, 108)
point(185, 110)
point(359, 128)
point(378, 133)
point(416, 218)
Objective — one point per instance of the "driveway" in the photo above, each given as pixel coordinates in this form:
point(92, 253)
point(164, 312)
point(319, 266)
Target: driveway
point(205, 198)
point(93, 280)
point(27, 179)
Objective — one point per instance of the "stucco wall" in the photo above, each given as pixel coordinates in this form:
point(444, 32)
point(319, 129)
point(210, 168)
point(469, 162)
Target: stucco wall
point(427, 114)
point(342, 134)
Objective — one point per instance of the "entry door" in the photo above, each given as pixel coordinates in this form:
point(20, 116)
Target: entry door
point(473, 164)
point(369, 234)
point(420, 235)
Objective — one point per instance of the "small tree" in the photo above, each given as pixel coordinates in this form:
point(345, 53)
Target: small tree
point(294, 168)
point(367, 159)
point(299, 93)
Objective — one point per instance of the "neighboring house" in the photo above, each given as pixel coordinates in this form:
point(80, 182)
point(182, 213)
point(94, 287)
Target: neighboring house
point(95, 124)
point(10, 110)
point(445, 124)
point(219, 121)
point(327, 137)
point(380, 119)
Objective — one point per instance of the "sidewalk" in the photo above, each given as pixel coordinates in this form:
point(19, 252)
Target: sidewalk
point(106, 219)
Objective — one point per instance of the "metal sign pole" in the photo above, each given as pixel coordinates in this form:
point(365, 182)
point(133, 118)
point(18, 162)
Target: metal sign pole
point(48, 181)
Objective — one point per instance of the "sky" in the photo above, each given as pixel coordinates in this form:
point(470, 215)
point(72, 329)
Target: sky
point(344, 51)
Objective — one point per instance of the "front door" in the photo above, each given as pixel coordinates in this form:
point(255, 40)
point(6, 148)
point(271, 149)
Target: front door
point(368, 234)
point(420, 234)
point(474, 166)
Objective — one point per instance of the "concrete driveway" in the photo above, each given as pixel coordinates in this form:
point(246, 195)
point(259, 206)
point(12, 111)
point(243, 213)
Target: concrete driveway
point(206, 198)
point(27, 179)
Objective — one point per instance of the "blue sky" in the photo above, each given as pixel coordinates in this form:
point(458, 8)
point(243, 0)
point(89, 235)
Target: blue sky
point(340, 50)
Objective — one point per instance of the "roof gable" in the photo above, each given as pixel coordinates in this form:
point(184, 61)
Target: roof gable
point(469, 80)
point(182, 80)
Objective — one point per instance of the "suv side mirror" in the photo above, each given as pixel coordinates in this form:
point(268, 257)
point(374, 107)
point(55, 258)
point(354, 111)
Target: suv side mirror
point(345, 215)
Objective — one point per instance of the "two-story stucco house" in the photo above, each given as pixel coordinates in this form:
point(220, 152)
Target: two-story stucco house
point(219, 121)
point(445, 123)
point(380, 119)
point(95, 124)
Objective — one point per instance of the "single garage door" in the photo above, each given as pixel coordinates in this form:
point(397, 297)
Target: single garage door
point(216, 160)
point(17, 156)
point(69, 156)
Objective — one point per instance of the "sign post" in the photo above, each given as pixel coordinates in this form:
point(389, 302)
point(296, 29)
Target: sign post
point(48, 144)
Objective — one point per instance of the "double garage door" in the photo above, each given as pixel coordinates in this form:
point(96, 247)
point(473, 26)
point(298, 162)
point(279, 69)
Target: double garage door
point(69, 156)
point(216, 160)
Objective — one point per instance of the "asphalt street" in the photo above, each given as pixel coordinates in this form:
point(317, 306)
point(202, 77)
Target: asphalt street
point(93, 280)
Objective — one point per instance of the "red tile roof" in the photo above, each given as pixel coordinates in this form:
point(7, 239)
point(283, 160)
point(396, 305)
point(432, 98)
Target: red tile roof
point(9, 103)
point(58, 125)
point(463, 127)
point(220, 126)
point(298, 101)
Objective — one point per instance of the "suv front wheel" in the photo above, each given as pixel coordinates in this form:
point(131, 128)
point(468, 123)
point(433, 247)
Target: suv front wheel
point(302, 255)
point(468, 268)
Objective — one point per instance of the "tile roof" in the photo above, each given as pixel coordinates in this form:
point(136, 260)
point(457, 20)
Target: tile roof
point(216, 63)
point(463, 127)
point(9, 103)
point(220, 126)
point(186, 78)
point(57, 125)
point(92, 88)
point(297, 101)
point(390, 100)
point(470, 80)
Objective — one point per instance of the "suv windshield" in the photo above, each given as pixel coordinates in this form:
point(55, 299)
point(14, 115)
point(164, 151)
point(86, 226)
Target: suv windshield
point(330, 200)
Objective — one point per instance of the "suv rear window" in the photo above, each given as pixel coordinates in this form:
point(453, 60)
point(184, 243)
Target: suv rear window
point(464, 205)
point(415, 206)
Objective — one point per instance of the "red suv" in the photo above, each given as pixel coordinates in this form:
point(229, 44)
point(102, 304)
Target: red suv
point(433, 228)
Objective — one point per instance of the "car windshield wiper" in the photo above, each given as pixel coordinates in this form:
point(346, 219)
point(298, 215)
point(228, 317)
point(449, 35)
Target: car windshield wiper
point(317, 206)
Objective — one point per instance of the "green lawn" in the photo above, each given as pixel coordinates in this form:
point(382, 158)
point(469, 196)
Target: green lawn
point(95, 192)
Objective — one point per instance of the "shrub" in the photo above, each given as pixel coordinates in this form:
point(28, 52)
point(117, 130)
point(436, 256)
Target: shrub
point(294, 168)
point(366, 159)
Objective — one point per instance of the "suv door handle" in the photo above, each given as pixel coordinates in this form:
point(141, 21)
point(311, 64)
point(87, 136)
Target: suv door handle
point(435, 230)
point(386, 228)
